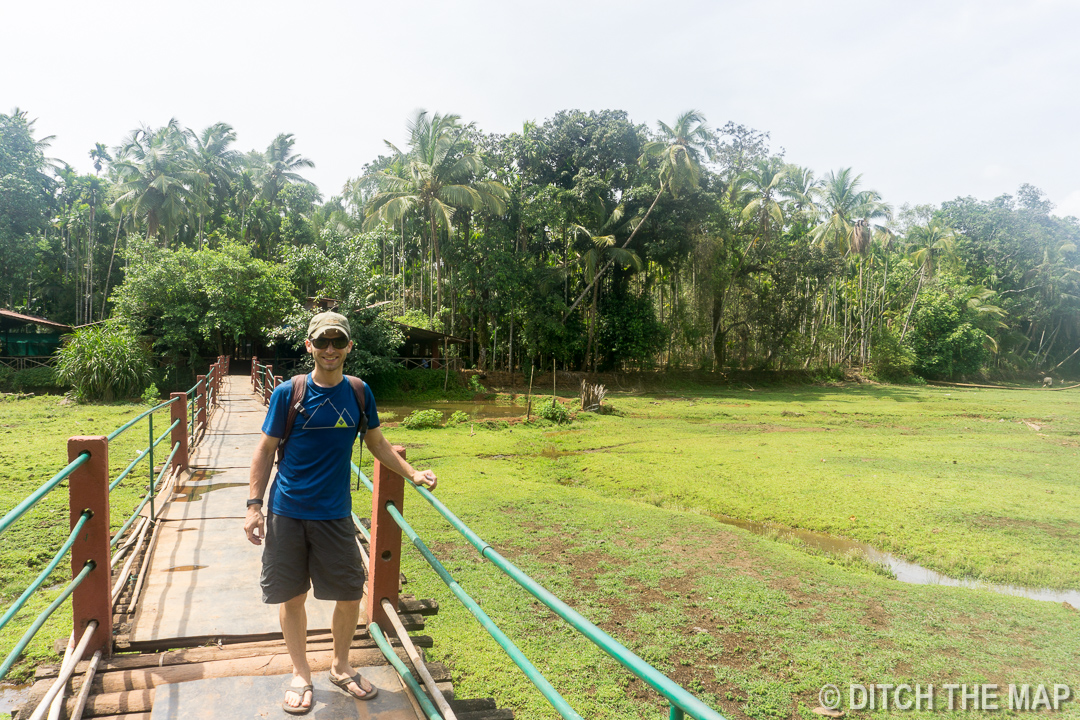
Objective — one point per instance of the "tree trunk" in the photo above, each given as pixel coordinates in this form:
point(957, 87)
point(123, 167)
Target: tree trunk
point(612, 261)
point(911, 309)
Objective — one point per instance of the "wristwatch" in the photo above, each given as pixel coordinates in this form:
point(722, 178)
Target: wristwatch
point(254, 501)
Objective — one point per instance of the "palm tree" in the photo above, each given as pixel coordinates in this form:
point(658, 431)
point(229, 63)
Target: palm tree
point(436, 178)
point(158, 181)
point(99, 155)
point(850, 222)
point(282, 166)
point(931, 242)
point(802, 190)
point(843, 207)
point(680, 152)
point(760, 187)
point(602, 247)
point(212, 156)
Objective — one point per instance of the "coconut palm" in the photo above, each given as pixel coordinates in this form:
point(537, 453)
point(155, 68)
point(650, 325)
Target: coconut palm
point(437, 177)
point(802, 190)
point(602, 248)
point(931, 243)
point(760, 188)
point(849, 213)
point(851, 217)
point(158, 182)
point(282, 167)
point(680, 151)
point(212, 156)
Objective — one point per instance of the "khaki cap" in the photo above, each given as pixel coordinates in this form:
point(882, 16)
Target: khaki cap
point(328, 321)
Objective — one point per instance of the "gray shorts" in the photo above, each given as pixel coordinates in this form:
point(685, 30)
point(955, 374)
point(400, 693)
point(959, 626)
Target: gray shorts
point(299, 554)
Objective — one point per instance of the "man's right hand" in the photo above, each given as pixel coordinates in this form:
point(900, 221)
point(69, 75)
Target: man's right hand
point(255, 525)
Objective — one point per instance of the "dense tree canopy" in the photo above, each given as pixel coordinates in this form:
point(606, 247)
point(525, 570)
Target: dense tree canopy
point(586, 239)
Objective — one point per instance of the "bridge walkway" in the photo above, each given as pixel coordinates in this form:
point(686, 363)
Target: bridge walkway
point(194, 639)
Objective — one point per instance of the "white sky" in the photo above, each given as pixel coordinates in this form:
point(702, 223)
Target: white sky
point(928, 100)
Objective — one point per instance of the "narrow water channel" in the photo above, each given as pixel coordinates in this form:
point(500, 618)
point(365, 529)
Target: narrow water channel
point(475, 411)
point(905, 571)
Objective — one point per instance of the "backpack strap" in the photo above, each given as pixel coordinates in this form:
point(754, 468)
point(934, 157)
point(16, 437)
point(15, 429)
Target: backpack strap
point(296, 406)
point(359, 391)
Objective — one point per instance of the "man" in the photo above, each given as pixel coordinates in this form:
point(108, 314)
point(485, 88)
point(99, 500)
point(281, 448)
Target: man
point(308, 529)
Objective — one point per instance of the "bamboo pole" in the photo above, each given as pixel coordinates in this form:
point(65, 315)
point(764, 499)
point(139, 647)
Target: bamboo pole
point(418, 662)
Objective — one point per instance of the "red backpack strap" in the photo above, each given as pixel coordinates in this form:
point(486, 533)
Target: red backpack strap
point(360, 392)
point(296, 403)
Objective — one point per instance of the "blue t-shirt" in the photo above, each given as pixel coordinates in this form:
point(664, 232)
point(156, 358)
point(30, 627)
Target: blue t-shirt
point(313, 477)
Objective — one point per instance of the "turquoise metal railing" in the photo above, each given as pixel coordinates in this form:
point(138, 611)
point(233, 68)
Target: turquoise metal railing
point(376, 634)
point(127, 426)
point(44, 574)
point(681, 701)
point(145, 452)
point(45, 614)
point(531, 672)
point(207, 384)
point(31, 500)
point(146, 498)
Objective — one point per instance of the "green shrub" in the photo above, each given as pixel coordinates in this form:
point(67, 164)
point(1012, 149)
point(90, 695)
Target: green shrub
point(421, 419)
point(457, 418)
point(103, 363)
point(553, 411)
point(415, 385)
point(944, 338)
point(151, 395)
point(6, 375)
point(891, 361)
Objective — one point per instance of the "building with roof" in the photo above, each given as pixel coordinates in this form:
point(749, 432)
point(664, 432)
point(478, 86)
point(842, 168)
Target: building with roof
point(28, 340)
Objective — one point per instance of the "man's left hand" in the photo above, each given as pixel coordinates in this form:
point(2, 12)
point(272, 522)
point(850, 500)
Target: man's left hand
point(425, 478)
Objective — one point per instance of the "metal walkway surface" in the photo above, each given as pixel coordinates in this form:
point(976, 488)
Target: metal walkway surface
point(202, 587)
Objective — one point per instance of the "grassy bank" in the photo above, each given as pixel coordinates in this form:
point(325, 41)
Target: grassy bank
point(972, 483)
point(612, 514)
point(33, 448)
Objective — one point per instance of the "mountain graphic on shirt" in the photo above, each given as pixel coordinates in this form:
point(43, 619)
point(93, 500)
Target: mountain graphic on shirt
point(326, 416)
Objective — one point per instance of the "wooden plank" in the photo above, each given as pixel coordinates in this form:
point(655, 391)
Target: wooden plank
point(273, 664)
point(475, 705)
point(140, 701)
point(223, 652)
point(413, 623)
point(420, 607)
point(208, 559)
point(497, 714)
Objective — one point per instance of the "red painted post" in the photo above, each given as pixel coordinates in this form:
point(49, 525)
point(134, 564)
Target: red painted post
point(179, 433)
point(200, 402)
point(268, 385)
point(385, 548)
point(218, 379)
point(88, 488)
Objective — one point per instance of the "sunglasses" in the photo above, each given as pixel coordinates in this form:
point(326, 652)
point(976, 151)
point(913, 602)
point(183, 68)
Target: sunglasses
point(340, 343)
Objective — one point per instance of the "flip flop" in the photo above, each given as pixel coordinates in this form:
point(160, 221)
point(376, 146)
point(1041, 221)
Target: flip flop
point(299, 709)
point(343, 683)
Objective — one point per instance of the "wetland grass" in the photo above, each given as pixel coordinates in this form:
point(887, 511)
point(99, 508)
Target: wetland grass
point(614, 514)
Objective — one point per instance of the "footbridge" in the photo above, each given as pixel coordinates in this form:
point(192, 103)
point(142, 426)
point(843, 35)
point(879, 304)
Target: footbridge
point(167, 618)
